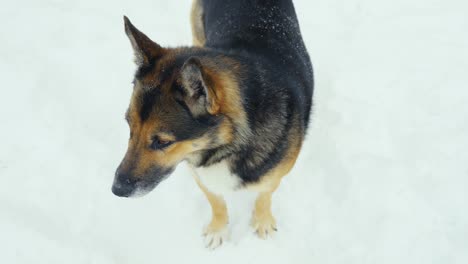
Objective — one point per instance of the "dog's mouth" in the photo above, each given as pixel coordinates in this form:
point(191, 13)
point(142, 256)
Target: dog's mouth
point(131, 187)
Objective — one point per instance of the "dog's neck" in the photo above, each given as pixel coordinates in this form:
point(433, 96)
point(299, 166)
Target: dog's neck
point(224, 151)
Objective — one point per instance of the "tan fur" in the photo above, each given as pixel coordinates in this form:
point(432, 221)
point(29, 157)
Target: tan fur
point(171, 156)
point(263, 221)
point(196, 20)
point(226, 95)
point(219, 214)
point(225, 132)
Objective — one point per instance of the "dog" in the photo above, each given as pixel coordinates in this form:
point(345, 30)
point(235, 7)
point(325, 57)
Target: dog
point(236, 106)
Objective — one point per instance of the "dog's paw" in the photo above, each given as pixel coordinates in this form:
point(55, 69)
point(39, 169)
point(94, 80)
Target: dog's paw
point(215, 237)
point(264, 226)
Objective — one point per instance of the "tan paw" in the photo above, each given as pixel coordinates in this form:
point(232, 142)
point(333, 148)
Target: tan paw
point(264, 226)
point(215, 237)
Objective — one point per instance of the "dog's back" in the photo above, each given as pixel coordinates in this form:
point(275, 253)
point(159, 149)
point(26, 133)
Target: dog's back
point(267, 31)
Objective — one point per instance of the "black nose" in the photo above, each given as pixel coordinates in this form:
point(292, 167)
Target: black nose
point(123, 185)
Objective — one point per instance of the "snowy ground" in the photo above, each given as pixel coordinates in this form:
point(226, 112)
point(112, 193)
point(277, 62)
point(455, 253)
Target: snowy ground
point(383, 176)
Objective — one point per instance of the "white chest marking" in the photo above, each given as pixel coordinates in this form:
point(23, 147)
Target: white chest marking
point(217, 178)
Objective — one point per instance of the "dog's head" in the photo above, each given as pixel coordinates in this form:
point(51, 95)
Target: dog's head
point(175, 111)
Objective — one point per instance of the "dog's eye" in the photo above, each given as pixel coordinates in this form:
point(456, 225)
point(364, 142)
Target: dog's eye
point(160, 143)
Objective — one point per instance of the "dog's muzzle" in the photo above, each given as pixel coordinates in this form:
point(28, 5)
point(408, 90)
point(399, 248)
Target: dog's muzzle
point(128, 186)
point(123, 185)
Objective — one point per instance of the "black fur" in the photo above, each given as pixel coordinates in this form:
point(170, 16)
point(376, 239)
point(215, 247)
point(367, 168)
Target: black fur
point(264, 32)
point(148, 101)
point(264, 36)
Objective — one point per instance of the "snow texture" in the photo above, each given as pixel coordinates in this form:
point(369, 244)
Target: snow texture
point(382, 178)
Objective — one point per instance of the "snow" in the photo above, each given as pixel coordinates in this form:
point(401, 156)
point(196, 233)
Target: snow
point(382, 177)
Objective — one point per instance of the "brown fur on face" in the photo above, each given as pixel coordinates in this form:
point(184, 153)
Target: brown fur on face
point(140, 156)
point(181, 96)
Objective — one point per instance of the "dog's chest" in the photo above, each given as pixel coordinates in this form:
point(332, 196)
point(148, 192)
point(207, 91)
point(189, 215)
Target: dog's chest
point(217, 178)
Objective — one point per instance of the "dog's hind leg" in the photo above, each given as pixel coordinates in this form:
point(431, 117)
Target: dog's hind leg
point(196, 19)
point(216, 232)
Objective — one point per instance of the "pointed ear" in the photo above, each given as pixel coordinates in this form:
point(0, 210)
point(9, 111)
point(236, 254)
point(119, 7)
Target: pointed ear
point(198, 87)
point(143, 47)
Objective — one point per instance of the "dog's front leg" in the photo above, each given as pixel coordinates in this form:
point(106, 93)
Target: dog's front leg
point(216, 232)
point(263, 221)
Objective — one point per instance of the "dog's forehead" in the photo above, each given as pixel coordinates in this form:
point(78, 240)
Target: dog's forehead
point(161, 70)
point(152, 90)
point(161, 112)
point(152, 104)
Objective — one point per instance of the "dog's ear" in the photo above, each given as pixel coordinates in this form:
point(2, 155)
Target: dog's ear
point(198, 88)
point(144, 48)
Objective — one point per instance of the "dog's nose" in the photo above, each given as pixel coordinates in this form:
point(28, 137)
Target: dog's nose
point(123, 186)
point(122, 190)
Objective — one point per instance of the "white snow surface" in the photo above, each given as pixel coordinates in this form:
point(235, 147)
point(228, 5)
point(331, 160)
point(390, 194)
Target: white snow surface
point(382, 177)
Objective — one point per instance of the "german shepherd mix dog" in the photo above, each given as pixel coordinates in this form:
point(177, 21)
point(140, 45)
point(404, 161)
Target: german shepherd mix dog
point(235, 106)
